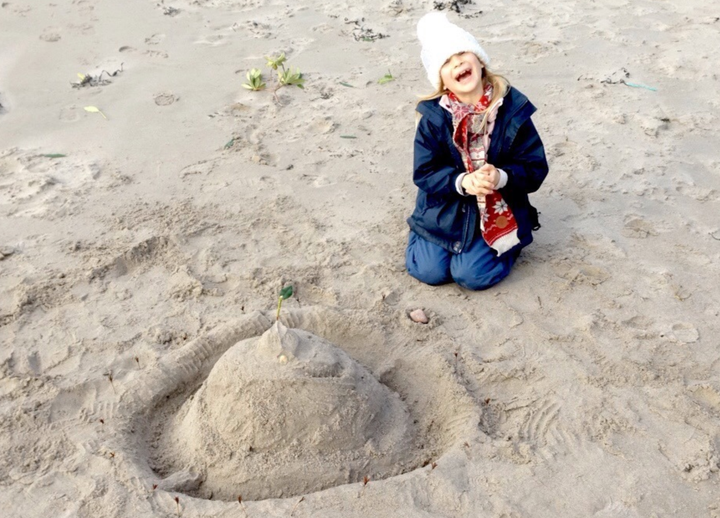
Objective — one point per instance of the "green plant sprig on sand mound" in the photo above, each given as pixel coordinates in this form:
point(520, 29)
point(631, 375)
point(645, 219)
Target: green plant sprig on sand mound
point(285, 293)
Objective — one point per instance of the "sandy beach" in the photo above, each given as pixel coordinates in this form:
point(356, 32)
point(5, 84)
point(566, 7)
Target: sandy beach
point(144, 242)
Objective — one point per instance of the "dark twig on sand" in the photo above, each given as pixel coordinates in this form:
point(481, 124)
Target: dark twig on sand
point(362, 33)
point(90, 80)
point(453, 5)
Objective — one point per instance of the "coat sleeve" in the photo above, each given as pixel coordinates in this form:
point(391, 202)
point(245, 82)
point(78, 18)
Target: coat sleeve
point(434, 169)
point(526, 164)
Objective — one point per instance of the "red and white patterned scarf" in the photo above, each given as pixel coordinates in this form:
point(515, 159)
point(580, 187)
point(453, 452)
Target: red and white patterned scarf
point(497, 222)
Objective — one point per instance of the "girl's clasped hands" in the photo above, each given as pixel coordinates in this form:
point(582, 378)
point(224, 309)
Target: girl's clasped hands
point(481, 182)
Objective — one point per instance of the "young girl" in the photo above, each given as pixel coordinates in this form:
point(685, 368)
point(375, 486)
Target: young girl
point(477, 156)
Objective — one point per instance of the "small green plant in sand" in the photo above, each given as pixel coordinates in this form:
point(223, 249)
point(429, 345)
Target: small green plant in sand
point(285, 76)
point(386, 78)
point(255, 80)
point(285, 293)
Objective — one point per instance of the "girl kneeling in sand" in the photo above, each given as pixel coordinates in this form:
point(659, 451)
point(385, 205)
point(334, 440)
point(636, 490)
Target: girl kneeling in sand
point(477, 156)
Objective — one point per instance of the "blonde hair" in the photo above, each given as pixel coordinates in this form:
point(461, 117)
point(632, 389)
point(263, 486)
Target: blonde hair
point(499, 83)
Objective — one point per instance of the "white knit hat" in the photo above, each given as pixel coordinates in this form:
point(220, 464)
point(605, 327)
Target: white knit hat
point(441, 39)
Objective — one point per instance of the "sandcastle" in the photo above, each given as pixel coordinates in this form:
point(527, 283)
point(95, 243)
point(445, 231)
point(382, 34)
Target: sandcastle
point(255, 409)
point(283, 414)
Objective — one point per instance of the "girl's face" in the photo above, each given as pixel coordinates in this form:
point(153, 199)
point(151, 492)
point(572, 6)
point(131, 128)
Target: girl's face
point(462, 75)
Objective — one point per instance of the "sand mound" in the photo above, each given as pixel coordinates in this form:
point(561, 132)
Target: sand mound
point(286, 414)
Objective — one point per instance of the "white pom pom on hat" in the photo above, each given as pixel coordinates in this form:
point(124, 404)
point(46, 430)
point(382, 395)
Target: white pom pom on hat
point(441, 39)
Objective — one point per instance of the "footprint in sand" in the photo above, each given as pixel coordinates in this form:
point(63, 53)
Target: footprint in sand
point(707, 394)
point(534, 50)
point(155, 39)
point(685, 332)
point(37, 185)
point(214, 40)
point(257, 29)
point(701, 194)
point(638, 228)
point(51, 35)
point(165, 99)
point(69, 114)
point(156, 54)
point(321, 125)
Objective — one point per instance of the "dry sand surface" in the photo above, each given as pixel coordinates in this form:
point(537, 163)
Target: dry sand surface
point(139, 271)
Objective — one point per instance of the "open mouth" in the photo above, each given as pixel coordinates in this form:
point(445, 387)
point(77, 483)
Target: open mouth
point(463, 75)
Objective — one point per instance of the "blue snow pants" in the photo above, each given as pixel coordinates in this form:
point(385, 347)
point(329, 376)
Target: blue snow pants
point(476, 268)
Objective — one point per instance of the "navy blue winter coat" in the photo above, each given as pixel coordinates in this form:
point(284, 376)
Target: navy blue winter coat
point(445, 217)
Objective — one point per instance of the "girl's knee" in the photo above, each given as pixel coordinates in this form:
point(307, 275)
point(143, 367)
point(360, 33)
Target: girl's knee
point(432, 274)
point(475, 280)
point(478, 283)
point(427, 262)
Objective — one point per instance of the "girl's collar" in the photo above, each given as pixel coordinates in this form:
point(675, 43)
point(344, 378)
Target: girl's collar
point(446, 102)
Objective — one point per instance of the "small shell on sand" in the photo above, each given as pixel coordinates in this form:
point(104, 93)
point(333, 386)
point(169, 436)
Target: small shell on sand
point(419, 316)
